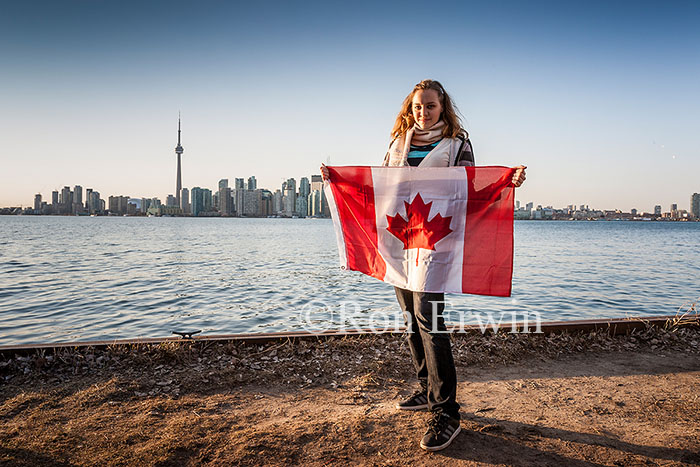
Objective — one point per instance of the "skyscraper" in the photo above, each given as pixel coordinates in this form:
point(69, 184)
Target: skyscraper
point(695, 205)
point(178, 150)
point(185, 201)
point(252, 183)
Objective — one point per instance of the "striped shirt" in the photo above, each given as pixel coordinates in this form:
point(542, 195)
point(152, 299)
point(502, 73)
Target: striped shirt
point(417, 153)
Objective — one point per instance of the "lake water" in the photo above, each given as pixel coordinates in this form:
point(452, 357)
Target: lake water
point(95, 278)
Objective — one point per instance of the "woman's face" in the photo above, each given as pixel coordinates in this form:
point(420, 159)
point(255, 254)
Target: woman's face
point(426, 108)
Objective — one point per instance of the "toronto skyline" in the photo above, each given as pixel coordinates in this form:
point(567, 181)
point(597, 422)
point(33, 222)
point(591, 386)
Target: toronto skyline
point(600, 101)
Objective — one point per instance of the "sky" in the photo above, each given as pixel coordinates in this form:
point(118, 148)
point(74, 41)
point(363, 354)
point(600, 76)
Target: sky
point(600, 100)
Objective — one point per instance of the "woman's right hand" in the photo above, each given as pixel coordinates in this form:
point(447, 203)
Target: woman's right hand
point(325, 174)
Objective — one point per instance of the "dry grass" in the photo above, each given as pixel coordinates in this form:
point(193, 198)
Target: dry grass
point(322, 402)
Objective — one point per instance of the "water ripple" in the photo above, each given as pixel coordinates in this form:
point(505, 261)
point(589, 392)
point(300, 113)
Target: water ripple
point(66, 278)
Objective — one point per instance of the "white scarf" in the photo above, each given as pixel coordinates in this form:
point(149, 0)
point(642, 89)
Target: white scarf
point(443, 155)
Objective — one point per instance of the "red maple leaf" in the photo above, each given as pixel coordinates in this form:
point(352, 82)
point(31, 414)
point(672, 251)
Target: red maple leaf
point(417, 231)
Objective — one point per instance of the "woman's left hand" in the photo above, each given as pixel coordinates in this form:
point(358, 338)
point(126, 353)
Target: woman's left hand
point(519, 175)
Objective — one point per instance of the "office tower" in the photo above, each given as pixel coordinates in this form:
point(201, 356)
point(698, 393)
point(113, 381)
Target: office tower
point(289, 197)
point(314, 203)
point(185, 201)
point(66, 200)
point(302, 202)
point(248, 203)
point(178, 150)
point(302, 205)
point(88, 192)
point(78, 194)
point(266, 200)
point(77, 205)
point(118, 205)
point(304, 187)
point(695, 205)
point(223, 183)
point(633, 211)
point(54, 198)
point(529, 206)
point(277, 202)
point(37, 202)
point(657, 210)
point(239, 184)
point(316, 183)
point(225, 202)
point(171, 201)
point(197, 201)
point(94, 203)
point(252, 183)
point(145, 204)
point(208, 205)
point(674, 207)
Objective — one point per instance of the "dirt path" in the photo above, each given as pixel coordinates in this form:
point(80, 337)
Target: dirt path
point(333, 404)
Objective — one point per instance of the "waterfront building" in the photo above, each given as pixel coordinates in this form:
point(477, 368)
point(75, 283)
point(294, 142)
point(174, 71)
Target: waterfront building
point(145, 204)
point(289, 197)
point(197, 203)
point(302, 205)
point(54, 200)
point(88, 192)
point(248, 203)
point(252, 183)
point(185, 200)
point(674, 211)
point(633, 211)
point(266, 202)
point(277, 205)
point(65, 200)
point(118, 205)
point(178, 182)
point(78, 195)
point(304, 187)
point(657, 210)
point(316, 183)
point(94, 203)
point(208, 204)
point(314, 203)
point(37, 202)
point(225, 202)
point(695, 205)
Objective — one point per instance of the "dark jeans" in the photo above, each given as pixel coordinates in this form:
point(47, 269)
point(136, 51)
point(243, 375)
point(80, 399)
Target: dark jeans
point(431, 352)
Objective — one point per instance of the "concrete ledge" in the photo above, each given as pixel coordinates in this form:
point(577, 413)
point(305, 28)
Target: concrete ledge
point(615, 326)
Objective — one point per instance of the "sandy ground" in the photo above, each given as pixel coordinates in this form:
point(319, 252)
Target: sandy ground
point(583, 400)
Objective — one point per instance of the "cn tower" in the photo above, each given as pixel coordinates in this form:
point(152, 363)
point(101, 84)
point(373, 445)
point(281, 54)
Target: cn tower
point(178, 150)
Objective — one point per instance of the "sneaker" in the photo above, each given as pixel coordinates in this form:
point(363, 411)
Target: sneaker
point(442, 429)
point(418, 401)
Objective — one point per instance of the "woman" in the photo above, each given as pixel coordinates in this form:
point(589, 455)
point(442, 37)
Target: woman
point(428, 133)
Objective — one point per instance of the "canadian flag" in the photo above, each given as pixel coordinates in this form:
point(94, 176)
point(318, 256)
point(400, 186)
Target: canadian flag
point(437, 229)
